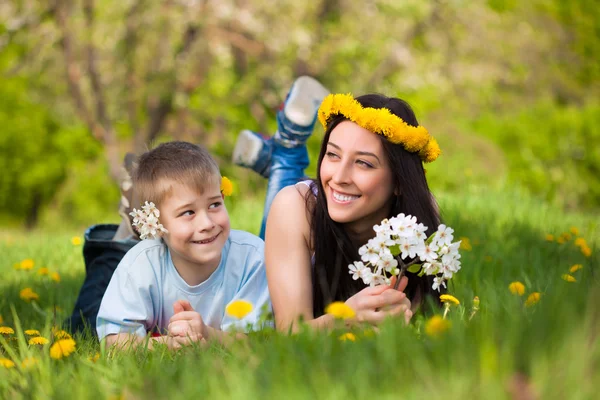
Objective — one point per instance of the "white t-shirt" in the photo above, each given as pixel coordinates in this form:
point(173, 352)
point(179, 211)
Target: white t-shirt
point(141, 293)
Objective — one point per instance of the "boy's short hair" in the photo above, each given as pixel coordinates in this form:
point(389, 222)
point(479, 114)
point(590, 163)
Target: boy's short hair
point(177, 161)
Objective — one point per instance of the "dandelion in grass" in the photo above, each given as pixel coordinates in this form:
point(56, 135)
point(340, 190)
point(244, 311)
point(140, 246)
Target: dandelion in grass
point(436, 326)
point(29, 362)
point(566, 236)
point(575, 268)
point(532, 299)
point(574, 230)
point(517, 288)
point(6, 330)
point(560, 240)
point(55, 276)
point(448, 301)
point(76, 241)
point(586, 251)
point(28, 294)
point(400, 238)
point(239, 308)
point(580, 242)
point(348, 336)
point(549, 237)
point(568, 278)
point(1, 319)
point(6, 363)
point(62, 348)
point(27, 264)
point(38, 341)
point(340, 310)
point(94, 358)
point(60, 334)
point(475, 307)
point(43, 271)
point(465, 244)
point(32, 332)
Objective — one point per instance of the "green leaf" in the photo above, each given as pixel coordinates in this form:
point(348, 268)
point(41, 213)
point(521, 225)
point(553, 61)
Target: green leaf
point(414, 268)
point(395, 249)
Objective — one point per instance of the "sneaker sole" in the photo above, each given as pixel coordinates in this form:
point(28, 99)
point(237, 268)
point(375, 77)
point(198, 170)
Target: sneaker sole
point(304, 100)
point(247, 149)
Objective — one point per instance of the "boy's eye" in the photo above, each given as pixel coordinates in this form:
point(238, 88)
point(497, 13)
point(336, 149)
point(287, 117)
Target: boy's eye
point(186, 213)
point(215, 204)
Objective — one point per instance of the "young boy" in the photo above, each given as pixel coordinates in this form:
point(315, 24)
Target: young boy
point(179, 284)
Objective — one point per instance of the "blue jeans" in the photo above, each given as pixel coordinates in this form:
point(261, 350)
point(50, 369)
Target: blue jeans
point(287, 168)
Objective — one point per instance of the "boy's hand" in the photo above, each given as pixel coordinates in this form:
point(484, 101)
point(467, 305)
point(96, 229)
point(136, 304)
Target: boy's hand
point(187, 323)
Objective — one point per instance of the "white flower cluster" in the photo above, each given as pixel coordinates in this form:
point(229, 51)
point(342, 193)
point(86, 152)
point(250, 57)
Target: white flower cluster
point(146, 221)
point(403, 236)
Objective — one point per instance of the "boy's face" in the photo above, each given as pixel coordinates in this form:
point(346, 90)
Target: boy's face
point(198, 225)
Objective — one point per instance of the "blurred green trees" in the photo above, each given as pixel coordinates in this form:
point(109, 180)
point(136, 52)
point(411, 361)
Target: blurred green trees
point(509, 87)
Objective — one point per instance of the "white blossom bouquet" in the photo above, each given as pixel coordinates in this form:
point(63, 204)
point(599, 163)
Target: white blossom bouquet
point(402, 237)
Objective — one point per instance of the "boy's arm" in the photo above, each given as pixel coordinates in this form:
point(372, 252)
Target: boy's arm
point(127, 308)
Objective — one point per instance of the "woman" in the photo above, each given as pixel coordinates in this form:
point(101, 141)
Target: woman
point(315, 228)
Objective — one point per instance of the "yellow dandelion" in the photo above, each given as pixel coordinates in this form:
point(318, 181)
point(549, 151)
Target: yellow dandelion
point(549, 237)
point(465, 244)
point(580, 242)
point(239, 308)
point(76, 241)
point(226, 186)
point(568, 278)
point(6, 330)
point(566, 236)
point(94, 358)
point(560, 240)
point(29, 362)
point(575, 267)
point(60, 334)
point(340, 310)
point(27, 264)
point(43, 271)
point(38, 340)
point(517, 288)
point(532, 299)
point(436, 326)
point(6, 363)
point(586, 251)
point(348, 336)
point(447, 298)
point(476, 303)
point(1, 319)
point(62, 348)
point(32, 332)
point(28, 294)
point(574, 230)
point(55, 277)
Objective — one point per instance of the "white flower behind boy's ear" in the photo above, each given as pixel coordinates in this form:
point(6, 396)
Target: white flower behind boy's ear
point(146, 221)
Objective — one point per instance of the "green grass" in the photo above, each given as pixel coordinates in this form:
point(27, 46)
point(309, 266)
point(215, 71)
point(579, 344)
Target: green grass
point(553, 345)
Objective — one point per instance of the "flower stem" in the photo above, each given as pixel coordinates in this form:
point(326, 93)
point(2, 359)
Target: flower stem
point(403, 268)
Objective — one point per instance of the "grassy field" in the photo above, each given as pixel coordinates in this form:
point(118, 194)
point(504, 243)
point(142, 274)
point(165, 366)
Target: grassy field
point(546, 349)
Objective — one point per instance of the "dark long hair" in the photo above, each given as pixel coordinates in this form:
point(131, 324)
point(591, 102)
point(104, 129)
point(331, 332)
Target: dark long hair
point(333, 249)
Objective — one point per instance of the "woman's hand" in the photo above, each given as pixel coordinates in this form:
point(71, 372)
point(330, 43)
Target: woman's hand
point(374, 304)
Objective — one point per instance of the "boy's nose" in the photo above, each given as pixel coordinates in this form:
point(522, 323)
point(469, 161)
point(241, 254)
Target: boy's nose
point(205, 222)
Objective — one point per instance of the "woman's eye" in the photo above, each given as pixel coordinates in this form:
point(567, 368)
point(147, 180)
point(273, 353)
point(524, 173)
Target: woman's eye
point(329, 154)
point(364, 163)
point(216, 204)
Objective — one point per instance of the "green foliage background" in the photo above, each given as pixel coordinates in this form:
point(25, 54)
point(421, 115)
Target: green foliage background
point(509, 89)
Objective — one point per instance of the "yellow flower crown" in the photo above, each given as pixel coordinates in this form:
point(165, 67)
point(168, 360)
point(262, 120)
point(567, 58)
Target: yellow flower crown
point(382, 122)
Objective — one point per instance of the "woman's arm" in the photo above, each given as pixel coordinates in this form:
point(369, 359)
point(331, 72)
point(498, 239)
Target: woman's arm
point(288, 260)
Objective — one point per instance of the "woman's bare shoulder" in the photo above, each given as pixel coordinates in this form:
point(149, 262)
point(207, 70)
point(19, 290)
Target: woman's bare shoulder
point(290, 208)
